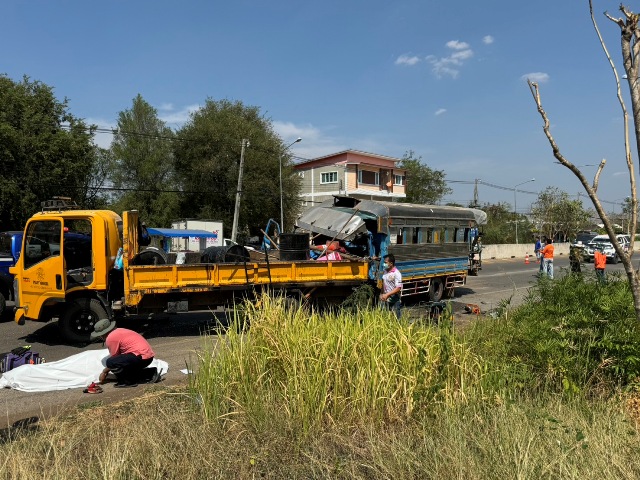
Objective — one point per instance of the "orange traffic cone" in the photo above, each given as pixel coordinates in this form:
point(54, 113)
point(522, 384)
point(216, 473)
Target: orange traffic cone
point(526, 259)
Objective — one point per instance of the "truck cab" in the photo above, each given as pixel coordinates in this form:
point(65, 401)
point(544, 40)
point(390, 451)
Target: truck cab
point(65, 261)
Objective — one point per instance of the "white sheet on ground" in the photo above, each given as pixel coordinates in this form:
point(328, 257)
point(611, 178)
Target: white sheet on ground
point(76, 371)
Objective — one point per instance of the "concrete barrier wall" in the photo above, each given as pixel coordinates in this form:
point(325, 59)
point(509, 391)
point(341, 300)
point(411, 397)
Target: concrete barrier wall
point(522, 250)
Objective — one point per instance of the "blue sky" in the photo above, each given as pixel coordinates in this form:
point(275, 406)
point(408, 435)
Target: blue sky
point(444, 79)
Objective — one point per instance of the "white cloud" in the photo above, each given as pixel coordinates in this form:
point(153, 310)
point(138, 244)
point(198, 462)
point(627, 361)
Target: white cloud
point(166, 107)
point(457, 45)
point(440, 111)
point(315, 142)
point(408, 60)
point(320, 141)
point(450, 65)
point(487, 39)
point(178, 118)
point(459, 57)
point(538, 77)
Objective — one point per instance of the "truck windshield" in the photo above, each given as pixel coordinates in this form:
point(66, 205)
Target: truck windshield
point(42, 241)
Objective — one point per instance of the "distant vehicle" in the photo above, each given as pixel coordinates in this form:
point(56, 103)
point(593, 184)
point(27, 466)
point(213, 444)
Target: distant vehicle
point(603, 241)
point(10, 246)
point(585, 237)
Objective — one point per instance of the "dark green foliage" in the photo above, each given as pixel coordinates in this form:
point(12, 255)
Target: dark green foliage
point(44, 150)
point(500, 227)
point(142, 165)
point(207, 158)
point(570, 335)
point(424, 185)
point(361, 298)
point(558, 215)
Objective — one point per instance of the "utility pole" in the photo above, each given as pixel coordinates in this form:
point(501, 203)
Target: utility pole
point(236, 213)
point(475, 194)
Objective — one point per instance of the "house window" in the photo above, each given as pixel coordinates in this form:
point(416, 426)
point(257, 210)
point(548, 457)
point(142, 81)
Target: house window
point(329, 177)
point(398, 179)
point(368, 178)
point(301, 174)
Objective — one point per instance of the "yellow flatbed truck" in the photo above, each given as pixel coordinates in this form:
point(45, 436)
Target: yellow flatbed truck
point(67, 270)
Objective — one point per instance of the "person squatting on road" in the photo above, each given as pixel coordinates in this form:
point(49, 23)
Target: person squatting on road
point(547, 258)
point(129, 355)
point(600, 262)
point(391, 285)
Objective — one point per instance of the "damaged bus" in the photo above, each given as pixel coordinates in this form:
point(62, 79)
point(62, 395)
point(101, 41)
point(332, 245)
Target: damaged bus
point(433, 245)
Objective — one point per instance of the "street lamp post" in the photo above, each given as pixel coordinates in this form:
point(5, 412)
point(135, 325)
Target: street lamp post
point(299, 139)
point(515, 204)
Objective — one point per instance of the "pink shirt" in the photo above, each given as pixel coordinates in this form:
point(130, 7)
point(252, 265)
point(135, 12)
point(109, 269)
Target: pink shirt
point(123, 340)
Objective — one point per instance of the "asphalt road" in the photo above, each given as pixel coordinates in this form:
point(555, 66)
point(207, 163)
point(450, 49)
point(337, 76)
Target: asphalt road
point(177, 338)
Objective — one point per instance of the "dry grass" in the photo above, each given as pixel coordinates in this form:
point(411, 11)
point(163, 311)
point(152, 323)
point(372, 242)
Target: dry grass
point(164, 435)
point(338, 397)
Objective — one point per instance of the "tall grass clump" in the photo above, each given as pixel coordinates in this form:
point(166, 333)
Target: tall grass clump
point(337, 367)
point(571, 335)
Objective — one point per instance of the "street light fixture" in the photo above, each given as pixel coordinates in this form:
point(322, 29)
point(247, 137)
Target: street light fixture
point(299, 139)
point(515, 204)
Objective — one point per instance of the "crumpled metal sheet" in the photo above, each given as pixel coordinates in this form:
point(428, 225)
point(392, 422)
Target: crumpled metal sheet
point(332, 223)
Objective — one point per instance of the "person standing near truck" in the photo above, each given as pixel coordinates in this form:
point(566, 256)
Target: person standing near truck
point(600, 262)
point(547, 258)
point(391, 285)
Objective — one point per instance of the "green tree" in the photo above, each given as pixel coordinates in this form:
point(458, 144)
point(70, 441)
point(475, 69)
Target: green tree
point(629, 25)
point(424, 185)
point(625, 217)
point(207, 157)
point(555, 213)
point(142, 165)
point(96, 189)
point(500, 227)
point(44, 150)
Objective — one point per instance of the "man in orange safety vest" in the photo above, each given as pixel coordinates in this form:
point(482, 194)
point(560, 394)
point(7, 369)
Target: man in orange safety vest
point(600, 262)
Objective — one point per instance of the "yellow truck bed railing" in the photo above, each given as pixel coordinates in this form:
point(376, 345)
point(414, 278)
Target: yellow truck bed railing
point(160, 279)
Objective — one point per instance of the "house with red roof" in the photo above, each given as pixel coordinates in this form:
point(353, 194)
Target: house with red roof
point(362, 175)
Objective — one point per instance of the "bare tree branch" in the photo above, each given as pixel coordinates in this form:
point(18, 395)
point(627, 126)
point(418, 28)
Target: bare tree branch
point(625, 114)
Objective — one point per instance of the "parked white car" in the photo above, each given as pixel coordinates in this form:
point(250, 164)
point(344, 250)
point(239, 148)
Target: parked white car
point(607, 247)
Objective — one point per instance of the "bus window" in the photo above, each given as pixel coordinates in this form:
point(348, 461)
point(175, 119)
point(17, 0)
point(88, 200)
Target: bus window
point(429, 238)
point(393, 235)
point(466, 234)
point(408, 234)
point(417, 235)
point(460, 235)
point(400, 240)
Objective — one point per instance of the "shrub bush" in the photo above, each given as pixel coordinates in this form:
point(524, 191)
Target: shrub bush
point(569, 335)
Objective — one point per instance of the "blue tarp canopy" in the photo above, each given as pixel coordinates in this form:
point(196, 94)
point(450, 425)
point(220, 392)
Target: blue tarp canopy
point(180, 233)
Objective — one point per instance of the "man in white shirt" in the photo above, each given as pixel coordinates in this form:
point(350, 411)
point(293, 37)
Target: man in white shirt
point(391, 285)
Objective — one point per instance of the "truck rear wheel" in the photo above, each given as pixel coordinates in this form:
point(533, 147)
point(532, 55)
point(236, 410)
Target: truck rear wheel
point(76, 324)
point(436, 290)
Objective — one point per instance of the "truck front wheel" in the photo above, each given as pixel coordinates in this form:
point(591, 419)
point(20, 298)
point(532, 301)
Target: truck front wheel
point(76, 324)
